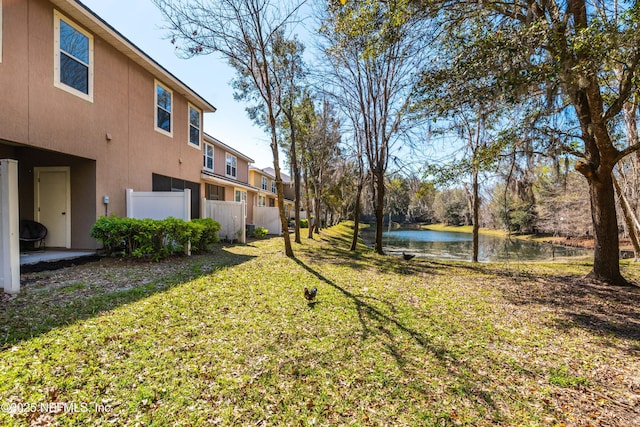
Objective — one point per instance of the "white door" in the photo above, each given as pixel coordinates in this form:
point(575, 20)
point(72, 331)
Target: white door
point(53, 204)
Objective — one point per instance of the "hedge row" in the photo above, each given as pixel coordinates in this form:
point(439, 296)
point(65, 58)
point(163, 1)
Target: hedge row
point(155, 239)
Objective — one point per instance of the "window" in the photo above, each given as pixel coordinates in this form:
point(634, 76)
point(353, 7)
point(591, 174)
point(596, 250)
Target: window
point(264, 183)
point(73, 58)
point(240, 196)
point(232, 166)
point(194, 126)
point(164, 100)
point(262, 201)
point(273, 187)
point(213, 192)
point(207, 155)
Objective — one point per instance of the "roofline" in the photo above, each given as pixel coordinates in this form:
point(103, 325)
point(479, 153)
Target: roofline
point(214, 177)
point(215, 140)
point(288, 181)
point(88, 18)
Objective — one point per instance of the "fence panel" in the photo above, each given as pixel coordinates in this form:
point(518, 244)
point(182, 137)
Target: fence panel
point(232, 217)
point(159, 204)
point(268, 218)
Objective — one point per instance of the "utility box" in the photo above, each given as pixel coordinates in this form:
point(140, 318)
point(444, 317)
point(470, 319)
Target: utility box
point(9, 227)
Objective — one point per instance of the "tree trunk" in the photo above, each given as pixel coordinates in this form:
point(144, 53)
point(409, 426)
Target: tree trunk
point(280, 190)
point(356, 218)
point(628, 219)
point(307, 198)
point(295, 169)
point(378, 179)
point(318, 214)
point(606, 257)
point(476, 216)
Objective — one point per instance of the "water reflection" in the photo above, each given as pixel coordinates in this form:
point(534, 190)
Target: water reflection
point(444, 245)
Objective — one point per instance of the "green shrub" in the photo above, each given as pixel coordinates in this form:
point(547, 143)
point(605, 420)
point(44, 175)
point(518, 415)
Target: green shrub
point(155, 239)
point(304, 223)
point(208, 235)
point(260, 232)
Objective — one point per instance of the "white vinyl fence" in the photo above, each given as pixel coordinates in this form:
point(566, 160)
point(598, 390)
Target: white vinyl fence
point(159, 204)
point(268, 218)
point(9, 227)
point(232, 217)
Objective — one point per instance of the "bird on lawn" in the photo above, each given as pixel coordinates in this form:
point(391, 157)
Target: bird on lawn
point(407, 256)
point(310, 294)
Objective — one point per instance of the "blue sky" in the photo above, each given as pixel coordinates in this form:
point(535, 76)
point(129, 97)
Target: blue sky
point(141, 22)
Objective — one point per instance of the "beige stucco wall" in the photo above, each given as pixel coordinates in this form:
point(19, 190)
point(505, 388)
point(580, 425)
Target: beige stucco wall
point(35, 113)
point(220, 164)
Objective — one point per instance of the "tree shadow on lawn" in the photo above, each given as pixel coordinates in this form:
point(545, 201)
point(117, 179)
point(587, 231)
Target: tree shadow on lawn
point(55, 299)
point(582, 303)
point(476, 386)
point(385, 263)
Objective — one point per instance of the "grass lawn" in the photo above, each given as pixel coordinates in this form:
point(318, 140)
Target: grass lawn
point(227, 339)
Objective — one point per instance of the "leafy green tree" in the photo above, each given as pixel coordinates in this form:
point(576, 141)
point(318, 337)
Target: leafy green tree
point(451, 206)
point(398, 198)
point(422, 195)
point(576, 62)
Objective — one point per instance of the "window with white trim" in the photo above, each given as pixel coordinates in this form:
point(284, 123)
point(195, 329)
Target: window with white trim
point(207, 156)
point(264, 183)
point(232, 166)
point(163, 114)
point(73, 58)
point(262, 201)
point(273, 187)
point(195, 120)
point(240, 196)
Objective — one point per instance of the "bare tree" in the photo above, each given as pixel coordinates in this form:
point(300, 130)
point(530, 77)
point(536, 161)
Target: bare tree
point(321, 151)
point(244, 33)
point(373, 50)
point(290, 72)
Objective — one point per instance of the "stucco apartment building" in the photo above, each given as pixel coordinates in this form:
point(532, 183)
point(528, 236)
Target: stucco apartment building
point(87, 115)
point(264, 183)
point(225, 174)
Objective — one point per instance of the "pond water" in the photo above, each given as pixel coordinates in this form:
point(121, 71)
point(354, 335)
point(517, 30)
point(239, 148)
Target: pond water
point(443, 245)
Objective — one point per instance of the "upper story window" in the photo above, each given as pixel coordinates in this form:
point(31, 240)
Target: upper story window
point(232, 166)
point(73, 58)
point(194, 125)
point(264, 183)
point(164, 102)
point(273, 187)
point(207, 155)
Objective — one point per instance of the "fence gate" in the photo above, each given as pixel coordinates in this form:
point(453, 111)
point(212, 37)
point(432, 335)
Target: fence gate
point(268, 218)
point(232, 217)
